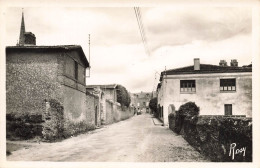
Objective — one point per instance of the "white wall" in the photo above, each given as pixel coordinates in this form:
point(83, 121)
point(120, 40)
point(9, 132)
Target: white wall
point(208, 96)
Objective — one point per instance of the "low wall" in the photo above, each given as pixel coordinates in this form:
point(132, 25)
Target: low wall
point(92, 104)
point(115, 112)
point(222, 139)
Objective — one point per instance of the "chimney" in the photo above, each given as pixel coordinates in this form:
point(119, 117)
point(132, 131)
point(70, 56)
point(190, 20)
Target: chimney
point(222, 63)
point(234, 63)
point(196, 64)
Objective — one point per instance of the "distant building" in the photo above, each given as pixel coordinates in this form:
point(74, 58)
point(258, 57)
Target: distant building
point(105, 93)
point(217, 90)
point(141, 101)
point(26, 38)
point(109, 91)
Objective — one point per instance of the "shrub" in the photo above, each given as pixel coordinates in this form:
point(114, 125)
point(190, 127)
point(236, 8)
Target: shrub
point(171, 118)
point(25, 126)
point(153, 104)
point(187, 109)
point(53, 126)
point(75, 128)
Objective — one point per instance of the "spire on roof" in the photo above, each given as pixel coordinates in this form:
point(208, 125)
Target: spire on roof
point(22, 31)
point(26, 38)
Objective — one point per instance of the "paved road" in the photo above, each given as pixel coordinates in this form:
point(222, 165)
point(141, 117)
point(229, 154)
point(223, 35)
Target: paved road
point(137, 139)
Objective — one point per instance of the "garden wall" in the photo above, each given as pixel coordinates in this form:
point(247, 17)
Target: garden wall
point(222, 139)
point(115, 112)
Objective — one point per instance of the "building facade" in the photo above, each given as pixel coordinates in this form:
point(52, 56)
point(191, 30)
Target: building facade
point(38, 73)
point(217, 90)
point(106, 93)
point(35, 74)
point(141, 101)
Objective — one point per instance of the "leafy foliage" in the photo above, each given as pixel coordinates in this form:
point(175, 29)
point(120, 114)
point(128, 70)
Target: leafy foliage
point(153, 104)
point(75, 128)
point(53, 126)
point(123, 96)
point(189, 109)
point(25, 126)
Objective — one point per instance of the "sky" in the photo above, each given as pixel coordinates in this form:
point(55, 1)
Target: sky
point(175, 36)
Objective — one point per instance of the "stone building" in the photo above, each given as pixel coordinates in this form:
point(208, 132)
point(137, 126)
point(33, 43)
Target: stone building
point(217, 90)
point(35, 74)
point(26, 38)
point(141, 101)
point(105, 93)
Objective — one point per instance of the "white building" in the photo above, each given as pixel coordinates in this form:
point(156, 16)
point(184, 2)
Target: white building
point(217, 90)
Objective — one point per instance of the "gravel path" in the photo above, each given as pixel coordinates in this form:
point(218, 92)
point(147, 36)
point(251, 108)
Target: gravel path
point(134, 140)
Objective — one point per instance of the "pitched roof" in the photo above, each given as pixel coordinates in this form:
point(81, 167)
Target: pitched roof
point(110, 86)
point(207, 68)
point(50, 48)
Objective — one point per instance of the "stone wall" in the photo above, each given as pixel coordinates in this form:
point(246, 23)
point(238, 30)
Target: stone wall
point(30, 78)
point(109, 112)
point(115, 113)
point(34, 76)
point(92, 104)
point(222, 139)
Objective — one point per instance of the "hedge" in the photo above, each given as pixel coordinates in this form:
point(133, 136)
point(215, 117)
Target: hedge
point(23, 127)
point(213, 136)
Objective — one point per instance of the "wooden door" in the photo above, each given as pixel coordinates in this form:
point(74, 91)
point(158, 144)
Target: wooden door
point(228, 109)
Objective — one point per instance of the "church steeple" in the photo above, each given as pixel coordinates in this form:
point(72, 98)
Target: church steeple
point(22, 32)
point(26, 38)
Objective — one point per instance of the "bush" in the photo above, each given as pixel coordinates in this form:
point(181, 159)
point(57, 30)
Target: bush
point(188, 109)
point(213, 135)
point(53, 126)
point(75, 128)
point(153, 104)
point(171, 118)
point(23, 127)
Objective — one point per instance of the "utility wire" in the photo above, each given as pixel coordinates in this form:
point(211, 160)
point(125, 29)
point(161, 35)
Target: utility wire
point(138, 15)
point(142, 28)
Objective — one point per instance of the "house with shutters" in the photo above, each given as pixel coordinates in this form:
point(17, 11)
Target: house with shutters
point(216, 89)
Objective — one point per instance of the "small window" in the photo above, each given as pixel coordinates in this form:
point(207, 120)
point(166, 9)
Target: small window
point(188, 86)
point(227, 84)
point(228, 109)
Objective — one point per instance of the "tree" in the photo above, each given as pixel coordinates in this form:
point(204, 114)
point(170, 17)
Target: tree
point(153, 104)
point(123, 96)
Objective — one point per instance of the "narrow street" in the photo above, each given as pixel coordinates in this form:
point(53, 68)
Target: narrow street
point(138, 139)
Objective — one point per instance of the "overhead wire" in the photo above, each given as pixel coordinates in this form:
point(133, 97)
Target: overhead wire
point(138, 15)
point(142, 27)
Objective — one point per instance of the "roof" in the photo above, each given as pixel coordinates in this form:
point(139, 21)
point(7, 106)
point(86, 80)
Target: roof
point(207, 68)
point(110, 86)
point(50, 48)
